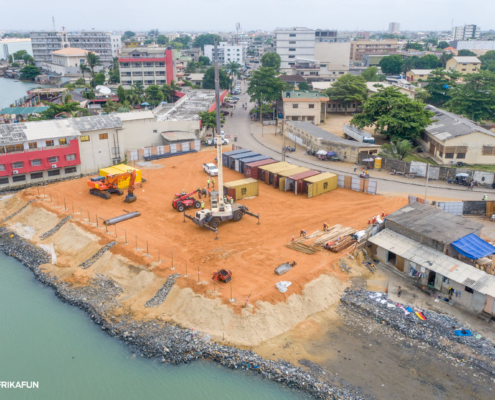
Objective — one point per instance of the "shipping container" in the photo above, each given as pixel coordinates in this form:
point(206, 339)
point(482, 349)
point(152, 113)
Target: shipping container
point(272, 174)
point(120, 169)
point(232, 159)
point(252, 170)
point(227, 154)
point(296, 184)
point(321, 183)
point(242, 188)
point(266, 168)
point(279, 179)
point(244, 161)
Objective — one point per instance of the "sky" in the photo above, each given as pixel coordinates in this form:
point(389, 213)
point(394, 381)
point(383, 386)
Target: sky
point(222, 15)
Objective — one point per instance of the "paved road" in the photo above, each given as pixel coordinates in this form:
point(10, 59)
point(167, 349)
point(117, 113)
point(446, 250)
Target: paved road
point(239, 124)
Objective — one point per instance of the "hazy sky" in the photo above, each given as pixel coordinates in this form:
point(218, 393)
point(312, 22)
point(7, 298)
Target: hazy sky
point(222, 15)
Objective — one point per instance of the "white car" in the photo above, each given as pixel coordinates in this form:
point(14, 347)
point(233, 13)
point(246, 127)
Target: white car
point(224, 141)
point(210, 169)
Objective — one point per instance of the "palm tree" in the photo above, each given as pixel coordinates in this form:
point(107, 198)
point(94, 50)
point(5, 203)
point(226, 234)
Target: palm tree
point(233, 69)
point(132, 96)
point(92, 60)
point(67, 98)
point(111, 106)
point(139, 88)
point(191, 67)
point(168, 93)
point(175, 87)
point(398, 150)
point(83, 68)
point(154, 95)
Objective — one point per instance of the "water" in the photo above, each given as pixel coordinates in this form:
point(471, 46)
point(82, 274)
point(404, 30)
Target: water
point(16, 46)
point(11, 90)
point(45, 340)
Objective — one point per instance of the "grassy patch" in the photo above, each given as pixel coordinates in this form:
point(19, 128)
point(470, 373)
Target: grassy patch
point(479, 167)
point(415, 157)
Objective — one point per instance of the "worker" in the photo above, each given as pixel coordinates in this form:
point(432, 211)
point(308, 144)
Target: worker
point(292, 238)
point(325, 226)
point(183, 191)
point(485, 197)
point(383, 213)
point(369, 221)
point(213, 181)
point(225, 199)
point(204, 191)
point(202, 205)
point(208, 182)
point(302, 233)
point(198, 191)
point(232, 200)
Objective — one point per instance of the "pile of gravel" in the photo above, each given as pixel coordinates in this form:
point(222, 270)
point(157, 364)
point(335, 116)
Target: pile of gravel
point(162, 293)
point(90, 261)
point(55, 229)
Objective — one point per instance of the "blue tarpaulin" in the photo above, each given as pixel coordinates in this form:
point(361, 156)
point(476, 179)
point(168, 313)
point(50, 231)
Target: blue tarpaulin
point(473, 247)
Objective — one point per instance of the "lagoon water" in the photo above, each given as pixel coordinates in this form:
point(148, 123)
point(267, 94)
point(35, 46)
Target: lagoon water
point(50, 342)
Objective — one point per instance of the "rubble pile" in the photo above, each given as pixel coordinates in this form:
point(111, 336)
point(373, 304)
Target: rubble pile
point(162, 293)
point(437, 330)
point(52, 231)
point(90, 261)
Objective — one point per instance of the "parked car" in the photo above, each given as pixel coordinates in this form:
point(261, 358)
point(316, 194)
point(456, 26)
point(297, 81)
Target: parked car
point(235, 98)
point(210, 169)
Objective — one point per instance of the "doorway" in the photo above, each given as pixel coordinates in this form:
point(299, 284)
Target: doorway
point(431, 278)
point(392, 258)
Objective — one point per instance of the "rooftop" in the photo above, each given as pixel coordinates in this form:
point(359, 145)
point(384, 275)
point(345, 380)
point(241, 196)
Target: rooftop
point(468, 60)
point(422, 71)
point(135, 115)
point(188, 107)
point(303, 94)
point(72, 51)
point(322, 134)
point(321, 85)
point(292, 78)
point(449, 125)
point(434, 223)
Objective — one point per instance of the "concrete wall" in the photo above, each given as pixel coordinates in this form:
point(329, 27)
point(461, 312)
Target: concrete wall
point(97, 153)
point(466, 298)
point(333, 52)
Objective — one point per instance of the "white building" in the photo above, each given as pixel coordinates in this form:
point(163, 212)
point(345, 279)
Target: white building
point(106, 44)
point(394, 27)
point(226, 53)
point(67, 61)
point(294, 43)
point(466, 32)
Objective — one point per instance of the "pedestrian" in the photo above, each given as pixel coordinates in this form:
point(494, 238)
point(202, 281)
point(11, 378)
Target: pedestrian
point(485, 197)
point(325, 226)
point(355, 167)
point(471, 184)
point(232, 201)
point(213, 181)
point(302, 233)
point(208, 182)
point(292, 238)
point(231, 113)
point(202, 205)
point(362, 170)
point(399, 291)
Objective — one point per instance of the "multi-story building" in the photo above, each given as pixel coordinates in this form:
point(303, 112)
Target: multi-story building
point(466, 32)
point(464, 65)
point(394, 27)
point(292, 43)
point(473, 44)
point(360, 47)
point(148, 65)
point(227, 53)
point(307, 106)
point(106, 44)
point(67, 62)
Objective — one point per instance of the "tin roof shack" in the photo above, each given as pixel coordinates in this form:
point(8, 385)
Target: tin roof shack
point(315, 138)
point(248, 160)
point(233, 158)
point(252, 169)
point(265, 169)
point(321, 183)
point(431, 226)
point(272, 173)
point(227, 154)
point(242, 188)
point(297, 184)
point(474, 289)
point(279, 180)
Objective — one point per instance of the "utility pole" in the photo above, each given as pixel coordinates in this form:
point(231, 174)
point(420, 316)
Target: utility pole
point(426, 186)
point(283, 141)
point(261, 113)
point(221, 203)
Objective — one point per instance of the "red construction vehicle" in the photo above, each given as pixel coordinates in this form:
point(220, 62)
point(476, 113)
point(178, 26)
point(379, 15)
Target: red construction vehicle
point(105, 186)
point(184, 200)
point(224, 275)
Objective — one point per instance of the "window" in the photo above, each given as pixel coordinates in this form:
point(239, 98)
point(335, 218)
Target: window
point(468, 289)
point(70, 170)
point(85, 138)
point(34, 163)
point(292, 56)
point(33, 145)
point(70, 157)
point(463, 69)
point(292, 35)
point(292, 42)
point(311, 106)
point(4, 180)
point(292, 49)
point(310, 118)
point(103, 136)
point(323, 65)
point(441, 154)
point(2, 167)
point(295, 105)
point(155, 131)
point(36, 175)
point(50, 143)
point(15, 147)
point(449, 155)
point(52, 159)
point(62, 141)
point(292, 63)
point(53, 172)
point(18, 178)
point(17, 164)
point(461, 155)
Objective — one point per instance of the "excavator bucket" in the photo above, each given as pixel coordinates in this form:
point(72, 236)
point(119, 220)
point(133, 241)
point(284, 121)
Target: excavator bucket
point(130, 198)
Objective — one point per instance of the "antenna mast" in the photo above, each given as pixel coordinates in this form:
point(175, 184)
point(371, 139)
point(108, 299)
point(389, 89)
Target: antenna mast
point(53, 21)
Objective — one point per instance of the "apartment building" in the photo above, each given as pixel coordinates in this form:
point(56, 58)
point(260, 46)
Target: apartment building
point(360, 47)
point(464, 65)
point(67, 62)
point(294, 43)
point(466, 32)
point(106, 44)
point(309, 106)
point(316, 71)
point(148, 65)
point(394, 27)
point(226, 53)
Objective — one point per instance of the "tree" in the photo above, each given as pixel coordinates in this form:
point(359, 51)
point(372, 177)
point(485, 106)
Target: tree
point(440, 83)
point(149, 41)
point(208, 119)
point(176, 45)
point(111, 106)
point(475, 99)
point(430, 61)
point(191, 67)
point(139, 88)
point(168, 93)
point(83, 68)
point(29, 72)
point(201, 40)
point(154, 94)
point(128, 34)
point(398, 150)
point(466, 53)
point(411, 63)
point(444, 58)
point(19, 55)
point(92, 61)
point(271, 60)
point(209, 79)
point(265, 82)
point(233, 68)
point(391, 65)
point(488, 61)
point(370, 74)
point(442, 45)
point(185, 40)
point(99, 79)
point(414, 46)
point(121, 94)
point(80, 82)
point(303, 86)
point(347, 90)
point(54, 109)
point(394, 114)
point(132, 96)
point(203, 59)
point(162, 39)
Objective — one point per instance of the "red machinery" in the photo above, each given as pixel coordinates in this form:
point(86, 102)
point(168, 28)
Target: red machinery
point(224, 275)
point(182, 201)
point(104, 186)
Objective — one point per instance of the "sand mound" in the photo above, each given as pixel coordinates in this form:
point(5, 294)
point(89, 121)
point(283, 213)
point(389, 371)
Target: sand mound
point(252, 326)
point(36, 218)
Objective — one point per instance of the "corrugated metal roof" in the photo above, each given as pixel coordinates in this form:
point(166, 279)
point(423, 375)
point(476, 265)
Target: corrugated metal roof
point(435, 261)
point(177, 136)
point(97, 122)
point(319, 177)
point(289, 172)
point(240, 182)
point(467, 59)
point(275, 166)
point(135, 115)
point(23, 110)
point(303, 175)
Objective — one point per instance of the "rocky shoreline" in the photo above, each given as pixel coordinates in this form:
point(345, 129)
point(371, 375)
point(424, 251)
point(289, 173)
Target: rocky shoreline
point(168, 342)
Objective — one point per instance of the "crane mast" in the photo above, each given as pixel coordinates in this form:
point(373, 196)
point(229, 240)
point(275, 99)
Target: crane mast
point(221, 203)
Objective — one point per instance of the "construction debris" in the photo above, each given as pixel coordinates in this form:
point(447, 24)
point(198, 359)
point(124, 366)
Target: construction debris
point(333, 234)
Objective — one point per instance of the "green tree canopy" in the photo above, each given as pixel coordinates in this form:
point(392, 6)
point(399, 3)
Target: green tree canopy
point(154, 94)
point(54, 109)
point(271, 60)
point(99, 79)
point(176, 45)
point(80, 82)
point(398, 150)
point(347, 90)
point(430, 61)
point(29, 72)
point(121, 94)
point(391, 65)
point(394, 114)
point(466, 53)
point(209, 79)
point(204, 60)
point(128, 34)
point(475, 98)
point(444, 58)
point(370, 74)
point(162, 39)
point(201, 40)
point(303, 86)
point(264, 81)
point(440, 84)
point(414, 46)
point(93, 61)
point(208, 119)
point(20, 54)
point(232, 69)
point(185, 40)
point(443, 44)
